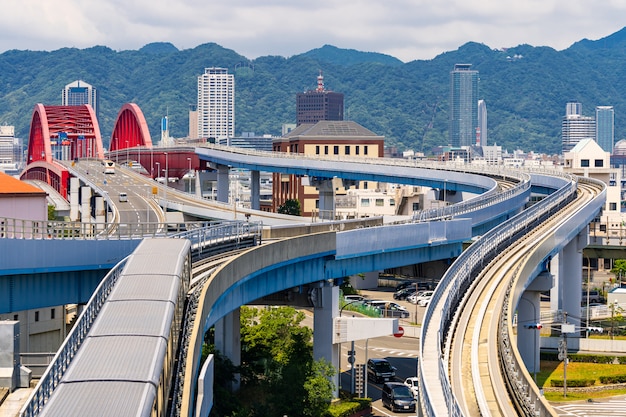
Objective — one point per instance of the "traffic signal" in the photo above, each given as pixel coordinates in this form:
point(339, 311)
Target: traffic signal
point(351, 358)
point(536, 326)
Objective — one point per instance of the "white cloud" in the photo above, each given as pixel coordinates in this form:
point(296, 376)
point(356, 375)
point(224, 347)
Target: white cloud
point(406, 29)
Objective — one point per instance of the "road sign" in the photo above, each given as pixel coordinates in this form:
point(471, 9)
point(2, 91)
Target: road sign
point(400, 332)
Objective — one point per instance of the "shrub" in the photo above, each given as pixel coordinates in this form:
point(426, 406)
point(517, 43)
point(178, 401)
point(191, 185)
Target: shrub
point(345, 408)
point(573, 383)
point(613, 379)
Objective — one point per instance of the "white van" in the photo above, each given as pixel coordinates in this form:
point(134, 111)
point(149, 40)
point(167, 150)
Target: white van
point(123, 197)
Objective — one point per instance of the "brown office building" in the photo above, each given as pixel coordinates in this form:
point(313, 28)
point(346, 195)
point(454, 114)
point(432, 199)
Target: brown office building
point(340, 139)
point(319, 104)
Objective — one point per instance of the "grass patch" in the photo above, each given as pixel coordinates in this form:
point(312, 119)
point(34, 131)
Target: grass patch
point(578, 370)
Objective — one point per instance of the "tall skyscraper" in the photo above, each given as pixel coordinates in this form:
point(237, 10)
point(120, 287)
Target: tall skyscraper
point(7, 146)
point(463, 105)
point(481, 135)
point(216, 104)
point(320, 104)
point(576, 127)
point(79, 93)
point(605, 127)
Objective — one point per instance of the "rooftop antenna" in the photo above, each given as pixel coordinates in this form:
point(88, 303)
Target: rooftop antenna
point(320, 82)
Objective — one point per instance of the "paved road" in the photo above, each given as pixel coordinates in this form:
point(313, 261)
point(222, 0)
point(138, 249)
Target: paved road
point(614, 406)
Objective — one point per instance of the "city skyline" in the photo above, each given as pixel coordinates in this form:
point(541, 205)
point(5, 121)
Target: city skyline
point(405, 30)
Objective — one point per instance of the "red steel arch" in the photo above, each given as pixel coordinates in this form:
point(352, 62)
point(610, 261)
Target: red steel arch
point(64, 132)
point(60, 133)
point(131, 129)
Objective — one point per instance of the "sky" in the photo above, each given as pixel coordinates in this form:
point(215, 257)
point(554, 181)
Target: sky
point(405, 29)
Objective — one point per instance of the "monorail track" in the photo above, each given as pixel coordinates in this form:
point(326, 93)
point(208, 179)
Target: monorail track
point(476, 377)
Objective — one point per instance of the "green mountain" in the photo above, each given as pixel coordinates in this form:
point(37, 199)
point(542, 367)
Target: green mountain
point(525, 88)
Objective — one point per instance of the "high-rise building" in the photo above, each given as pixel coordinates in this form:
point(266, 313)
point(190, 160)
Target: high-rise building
point(605, 127)
point(216, 104)
point(320, 104)
point(7, 147)
point(79, 93)
point(576, 127)
point(481, 135)
point(463, 105)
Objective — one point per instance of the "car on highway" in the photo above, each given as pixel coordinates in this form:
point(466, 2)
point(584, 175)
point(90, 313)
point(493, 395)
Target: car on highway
point(398, 397)
point(380, 370)
point(413, 383)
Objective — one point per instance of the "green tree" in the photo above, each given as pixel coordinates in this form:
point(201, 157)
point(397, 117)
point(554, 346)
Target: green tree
point(52, 213)
point(619, 269)
point(319, 388)
point(291, 207)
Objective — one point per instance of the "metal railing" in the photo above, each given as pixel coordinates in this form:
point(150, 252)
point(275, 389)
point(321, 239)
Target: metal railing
point(51, 378)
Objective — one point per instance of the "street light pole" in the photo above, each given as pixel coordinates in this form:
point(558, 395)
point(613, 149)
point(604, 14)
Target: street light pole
point(127, 154)
point(352, 368)
point(189, 175)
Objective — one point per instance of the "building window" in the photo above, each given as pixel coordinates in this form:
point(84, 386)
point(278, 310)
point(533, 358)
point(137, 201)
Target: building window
point(416, 206)
point(52, 314)
point(36, 315)
point(365, 202)
point(380, 202)
point(584, 163)
point(357, 149)
point(365, 150)
point(336, 150)
point(598, 163)
point(347, 150)
point(16, 317)
point(613, 206)
point(326, 150)
point(317, 204)
point(365, 185)
point(392, 202)
point(317, 150)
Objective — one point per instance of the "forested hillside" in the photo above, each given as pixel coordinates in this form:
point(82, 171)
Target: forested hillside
point(525, 88)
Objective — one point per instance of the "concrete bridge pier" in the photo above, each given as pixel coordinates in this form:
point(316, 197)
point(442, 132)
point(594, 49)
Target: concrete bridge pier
point(326, 303)
point(255, 190)
point(528, 315)
point(223, 185)
point(228, 341)
point(74, 190)
point(566, 295)
point(85, 205)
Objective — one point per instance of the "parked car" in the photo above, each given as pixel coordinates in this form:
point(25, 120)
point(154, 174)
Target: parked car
point(415, 299)
point(353, 297)
point(594, 297)
point(380, 370)
point(403, 293)
point(424, 300)
point(404, 284)
point(398, 397)
point(413, 384)
point(390, 309)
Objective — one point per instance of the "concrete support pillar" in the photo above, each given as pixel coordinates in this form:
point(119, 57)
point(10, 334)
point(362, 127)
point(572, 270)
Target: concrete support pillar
point(85, 205)
point(528, 344)
point(9, 354)
point(255, 190)
point(74, 189)
point(228, 341)
point(528, 315)
point(326, 190)
point(567, 293)
point(223, 185)
point(100, 214)
point(326, 307)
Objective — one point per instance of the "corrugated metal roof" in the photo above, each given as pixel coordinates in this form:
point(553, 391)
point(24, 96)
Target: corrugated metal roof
point(156, 256)
point(150, 318)
point(100, 399)
point(146, 287)
point(10, 185)
point(122, 358)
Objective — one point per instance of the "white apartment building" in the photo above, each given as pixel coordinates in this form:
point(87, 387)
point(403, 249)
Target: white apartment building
point(216, 104)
